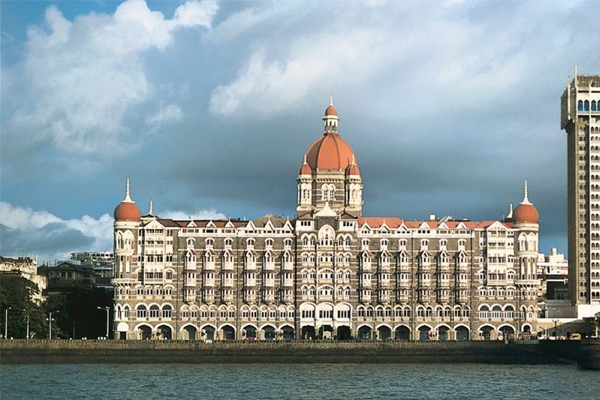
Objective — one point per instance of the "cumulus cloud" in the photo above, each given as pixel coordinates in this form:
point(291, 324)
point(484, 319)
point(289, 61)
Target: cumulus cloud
point(267, 86)
point(380, 48)
point(81, 81)
point(43, 234)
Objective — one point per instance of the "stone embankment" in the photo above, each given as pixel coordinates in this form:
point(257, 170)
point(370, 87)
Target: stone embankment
point(589, 354)
point(91, 351)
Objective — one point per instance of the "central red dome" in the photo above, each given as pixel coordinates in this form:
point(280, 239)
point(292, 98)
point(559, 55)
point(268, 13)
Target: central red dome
point(330, 152)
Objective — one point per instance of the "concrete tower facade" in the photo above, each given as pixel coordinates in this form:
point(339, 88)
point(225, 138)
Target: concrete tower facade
point(580, 118)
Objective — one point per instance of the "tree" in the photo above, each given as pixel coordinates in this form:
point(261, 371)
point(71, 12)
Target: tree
point(17, 293)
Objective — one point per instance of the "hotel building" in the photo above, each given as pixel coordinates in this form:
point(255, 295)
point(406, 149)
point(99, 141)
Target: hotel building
point(328, 272)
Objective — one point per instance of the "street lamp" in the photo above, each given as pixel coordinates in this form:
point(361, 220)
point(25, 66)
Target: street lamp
point(555, 324)
point(107, 310)
point(27, 315)
point(6, 323)
point(50, 324)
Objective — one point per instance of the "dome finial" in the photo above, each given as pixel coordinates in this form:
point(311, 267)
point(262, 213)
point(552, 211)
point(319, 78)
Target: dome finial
point(510, 211)
point(525, 199)
point(331, 101)
point(150, 208)
point(127, 193)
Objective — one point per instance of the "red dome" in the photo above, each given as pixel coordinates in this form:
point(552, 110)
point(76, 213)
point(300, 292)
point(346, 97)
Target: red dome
point(304, 169)
point(127, 211)
point(329, 152)
point(352, 170)
point(331, 111)
point(526, 213)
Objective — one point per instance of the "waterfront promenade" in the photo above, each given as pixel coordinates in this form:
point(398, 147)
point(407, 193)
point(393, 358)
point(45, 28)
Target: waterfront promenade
point(288, 352)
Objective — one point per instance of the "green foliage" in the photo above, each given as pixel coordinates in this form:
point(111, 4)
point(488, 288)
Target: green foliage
point(17, 293)
point(75, 313)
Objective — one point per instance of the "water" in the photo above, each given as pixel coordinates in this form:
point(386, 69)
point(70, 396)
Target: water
point(298, 382)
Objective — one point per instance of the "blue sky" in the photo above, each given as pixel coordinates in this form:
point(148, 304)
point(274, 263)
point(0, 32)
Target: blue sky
point(209, 107)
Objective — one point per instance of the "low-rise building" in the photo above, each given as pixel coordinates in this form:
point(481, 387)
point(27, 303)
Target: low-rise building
point(27, 268)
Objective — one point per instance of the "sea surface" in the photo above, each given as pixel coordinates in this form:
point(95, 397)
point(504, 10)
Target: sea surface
point(297, 382)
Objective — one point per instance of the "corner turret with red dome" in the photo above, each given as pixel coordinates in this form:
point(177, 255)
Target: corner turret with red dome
point(526, 213)
point(127, 210)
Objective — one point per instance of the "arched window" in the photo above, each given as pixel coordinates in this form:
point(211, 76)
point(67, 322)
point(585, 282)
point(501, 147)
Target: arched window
point(154, 311)
point(586, 105)
point(580, 105)
point(167, 311)
point(141, 311)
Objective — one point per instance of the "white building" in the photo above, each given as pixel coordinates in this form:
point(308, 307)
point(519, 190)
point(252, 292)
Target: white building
point(328, 272)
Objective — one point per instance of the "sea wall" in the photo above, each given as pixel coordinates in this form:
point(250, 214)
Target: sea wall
point(589, 354)
point(88, 351)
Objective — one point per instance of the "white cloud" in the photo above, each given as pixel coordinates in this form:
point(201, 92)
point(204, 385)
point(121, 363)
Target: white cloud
point(35, 232)
point(168, 113)
point(400, 53)
point(269, 86)
point(49, 237)
point(81, 80)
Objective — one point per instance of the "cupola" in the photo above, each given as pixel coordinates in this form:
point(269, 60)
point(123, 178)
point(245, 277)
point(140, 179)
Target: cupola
point(127, 210)
point(526, 212)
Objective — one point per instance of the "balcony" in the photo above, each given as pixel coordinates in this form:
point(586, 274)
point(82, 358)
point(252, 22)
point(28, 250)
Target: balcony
point(209, 283)
point(269, 283)
point(189, 266)
point(228, 265)
point(189, 283)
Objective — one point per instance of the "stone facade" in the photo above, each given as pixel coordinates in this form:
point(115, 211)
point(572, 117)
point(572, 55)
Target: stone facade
point(327, 273)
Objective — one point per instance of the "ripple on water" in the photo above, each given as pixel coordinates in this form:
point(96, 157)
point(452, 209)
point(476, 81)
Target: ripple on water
point(298, 382)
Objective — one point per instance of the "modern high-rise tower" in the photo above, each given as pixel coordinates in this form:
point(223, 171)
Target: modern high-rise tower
point(580, 118)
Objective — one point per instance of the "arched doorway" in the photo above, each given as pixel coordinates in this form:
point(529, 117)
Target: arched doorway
point(122, 329)
point(288, 332)
point(326, 332)
point(228, 332)
point(506, 333)
point(402, 333)
point(248, 333)
point(462, 333)
point(364, 333)
point(269, 332)
point(207, 333)
point(308, 332)
point(145, 332)
point(384, 332)
point(424, 333)
point(191, 332)
point(344, 333)
point(164, 332)
point(443, 333)
point(486, 332)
